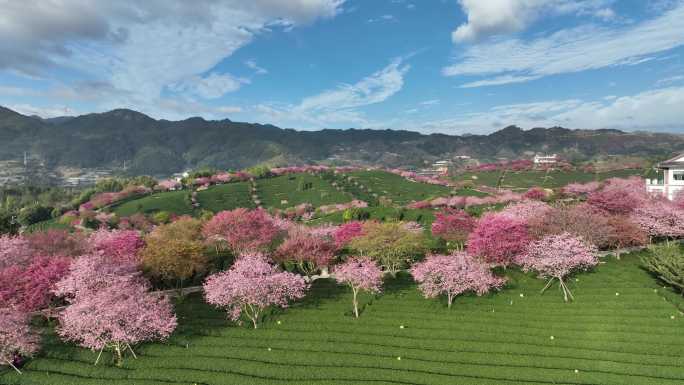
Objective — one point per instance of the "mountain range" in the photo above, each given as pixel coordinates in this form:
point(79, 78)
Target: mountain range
point(162, 147)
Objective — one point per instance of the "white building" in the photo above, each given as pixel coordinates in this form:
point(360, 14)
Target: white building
point(672, 181)
point(545, 159)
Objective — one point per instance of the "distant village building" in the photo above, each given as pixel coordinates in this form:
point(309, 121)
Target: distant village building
point(671, 182)
point(545, 159)
point(442, 166)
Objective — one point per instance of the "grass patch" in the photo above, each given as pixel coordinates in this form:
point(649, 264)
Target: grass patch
point(172, 201)
point(291, 190)
point(225, 197)
point(382, 213)
point(400, 190)
point(501, 338)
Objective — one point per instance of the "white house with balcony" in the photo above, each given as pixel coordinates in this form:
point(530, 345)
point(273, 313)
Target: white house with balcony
point(671, 181)
point(545, 159)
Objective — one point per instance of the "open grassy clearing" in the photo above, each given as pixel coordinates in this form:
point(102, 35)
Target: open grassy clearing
point(225, 197)
point(423, 216)
point(172, 201)
point(552, 179)
point(291, 190)
point(400, 190)
point(503, 338)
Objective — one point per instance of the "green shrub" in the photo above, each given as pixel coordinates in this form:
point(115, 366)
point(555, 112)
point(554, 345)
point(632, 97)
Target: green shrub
point(667, 262)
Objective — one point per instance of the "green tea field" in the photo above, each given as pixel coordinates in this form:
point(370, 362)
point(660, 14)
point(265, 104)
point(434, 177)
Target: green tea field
point(623, 329)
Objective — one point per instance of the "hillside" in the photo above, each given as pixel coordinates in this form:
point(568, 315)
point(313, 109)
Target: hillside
point(161, 147)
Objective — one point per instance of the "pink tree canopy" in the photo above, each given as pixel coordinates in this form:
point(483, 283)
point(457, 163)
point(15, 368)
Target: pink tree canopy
point(117, 317)
point(360, 274)
point(55, 242)
point(453, 226)
point(309, 251)
point(346, 232)
point(242, 230)
point(252, 285)
point(14, 251)
point(30, 288)
point(498, 238)
point(660, 219)
point(556, 256)
point(452, 275)
point(117, 245)
point(16, 336)
point(527, 210)
point(619, 196)
point(535, 193)
point(90, 273)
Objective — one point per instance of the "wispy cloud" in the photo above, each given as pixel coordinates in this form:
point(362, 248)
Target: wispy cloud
point(670, 80)
point(252, 64)
point(652, 110)
point(340, 105)
point(582, 48)
point(147, 51)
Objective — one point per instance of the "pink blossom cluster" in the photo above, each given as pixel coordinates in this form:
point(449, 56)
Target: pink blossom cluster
point(498, 238)
point(452, 275)
point(414, 177)
point(580, 189)
point(118, 245)
point(453, 226)
point(659, 219)
point(168, 184)
point(107, 198)
point(16, 336)
point(14, 251)
point(251, 285)
point(242, 230)
point(527, 210)
point(460, 201)
point(556, 256)
point(360, 274)
point(299, 169)
point(310, 249)
point(29, 288)
point(619, 196)
point(346, 232)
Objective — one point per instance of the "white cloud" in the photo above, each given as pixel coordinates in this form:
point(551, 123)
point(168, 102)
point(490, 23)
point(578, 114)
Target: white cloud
point(144, 48)
point(430, 102)
point(340, 105)
point(211, 86)
point(252, 64)
point(43, 112)
point(652, 110)
point(570, 50)
point(493, 17)
point(385, 18)
point(670, 80)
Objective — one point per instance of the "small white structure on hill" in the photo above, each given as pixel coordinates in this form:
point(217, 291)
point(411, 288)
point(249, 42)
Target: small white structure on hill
point(545, 159)
point(672, 182)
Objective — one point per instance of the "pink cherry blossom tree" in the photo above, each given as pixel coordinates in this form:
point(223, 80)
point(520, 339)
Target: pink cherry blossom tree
point(619, 196)
point(116, 318)
point(554, 257)
point(93, 272)
point(56, 242)
point(252, 285)
point(117, 245)
point(360, 274)
point(241, 230)
point(307, 250)
point(498, 238)
point(535, 193)
point(527, 210)
point(453, 226)
point(14, 251)
point(452, 275)
point(346, 232)
point(660, 219)
point(30, 288)
point(16, 337)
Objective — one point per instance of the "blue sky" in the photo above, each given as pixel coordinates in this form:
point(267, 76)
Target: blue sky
point(468, 66)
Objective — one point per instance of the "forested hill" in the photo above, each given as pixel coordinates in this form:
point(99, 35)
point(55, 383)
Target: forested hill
point(160, 147)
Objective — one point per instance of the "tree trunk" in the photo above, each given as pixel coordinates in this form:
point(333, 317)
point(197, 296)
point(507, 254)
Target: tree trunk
point(356, 304)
